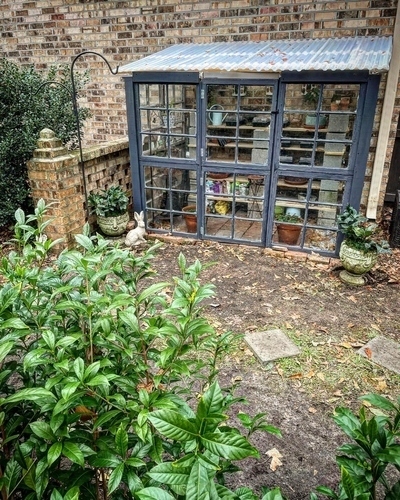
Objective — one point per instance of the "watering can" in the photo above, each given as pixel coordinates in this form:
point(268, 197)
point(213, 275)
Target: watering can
point(217, 116)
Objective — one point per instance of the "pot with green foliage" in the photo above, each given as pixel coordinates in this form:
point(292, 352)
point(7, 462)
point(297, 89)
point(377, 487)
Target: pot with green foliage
point(359, 249)
point(311, 98)
point(110, 207)
point(288, 228)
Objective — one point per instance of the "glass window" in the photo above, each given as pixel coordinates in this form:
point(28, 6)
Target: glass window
point(318, 125)
point(307, 209)
point(234, 205)
point(238, 120)
point(168, 120)
point(168, 191)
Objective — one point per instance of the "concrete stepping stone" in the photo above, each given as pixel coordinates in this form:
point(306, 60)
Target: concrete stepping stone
point(384, 352)
point(270, 345)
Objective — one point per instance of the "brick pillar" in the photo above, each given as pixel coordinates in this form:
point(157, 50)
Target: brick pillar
point(54, 175)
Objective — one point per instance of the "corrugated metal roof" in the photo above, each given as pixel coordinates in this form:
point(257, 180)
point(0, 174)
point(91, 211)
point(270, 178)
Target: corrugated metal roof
point(333, 54)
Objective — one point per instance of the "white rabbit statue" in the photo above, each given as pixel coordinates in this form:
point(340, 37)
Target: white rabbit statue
point(136, 236)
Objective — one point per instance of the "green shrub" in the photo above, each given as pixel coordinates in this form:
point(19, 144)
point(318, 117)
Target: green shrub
point(25, 109)
point(375, 445)
point(108, 378)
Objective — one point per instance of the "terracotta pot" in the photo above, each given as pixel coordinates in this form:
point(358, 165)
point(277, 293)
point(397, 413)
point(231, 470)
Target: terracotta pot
point(113, 226)
point(356, 263)
point(288, 233)
point(345, 102)
point(190, 218)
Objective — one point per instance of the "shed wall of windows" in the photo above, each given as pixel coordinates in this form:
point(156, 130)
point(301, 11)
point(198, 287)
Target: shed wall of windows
point(249, 157)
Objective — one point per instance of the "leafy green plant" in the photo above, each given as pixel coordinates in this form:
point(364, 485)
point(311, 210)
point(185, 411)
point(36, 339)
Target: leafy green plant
point(359, 233)
point(288, 218)
point(108, 377)
point(375, 446)
point(25, 109)
point(311, 95)
point(110, 202)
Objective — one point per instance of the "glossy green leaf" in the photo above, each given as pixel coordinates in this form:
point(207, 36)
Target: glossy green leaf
point(79, 368)
point(347, 483)
point(153, 493)
point(98, 380)
point(211, 401)
point(54, 453)
point(30, 394)
point(229, 445)
point(69, 389)
point(43, 430)
point(121, 441)
point(172, 425)
point(135, 462)
point(105, 417)
point(56, 495)
point(71, 451)
point(274, 494)
point(152, 290)
point(115, 478)
point(198, 484)
point(324, 490)
point(72, 494)
point(379, 401)
point(169, 473)
point(5, 348)
point(105, 459)
point(390, 455)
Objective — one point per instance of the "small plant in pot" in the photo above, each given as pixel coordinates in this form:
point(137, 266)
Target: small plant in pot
point(311, 98)
point(288, 227)
point(360, 247)
point(111, 209)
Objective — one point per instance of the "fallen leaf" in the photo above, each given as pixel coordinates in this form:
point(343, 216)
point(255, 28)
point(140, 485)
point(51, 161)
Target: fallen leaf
point(310, 374)
point(280, 371)
point(296, 375)
point(338, 393)
point(276, 456)
point(312, 409)
point(375, 327)
point(288, 326)
point(368, 352)
point(346, 345)
point(353, 299)
point(321, 376)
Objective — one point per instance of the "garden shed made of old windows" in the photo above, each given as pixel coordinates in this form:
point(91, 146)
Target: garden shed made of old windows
point(249, 139)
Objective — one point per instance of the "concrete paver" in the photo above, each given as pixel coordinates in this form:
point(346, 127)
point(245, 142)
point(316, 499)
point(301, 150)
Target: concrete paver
point(384, 352)
point(270, 345)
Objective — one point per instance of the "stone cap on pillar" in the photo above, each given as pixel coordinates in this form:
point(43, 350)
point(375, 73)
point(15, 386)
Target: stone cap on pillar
point(49, 145)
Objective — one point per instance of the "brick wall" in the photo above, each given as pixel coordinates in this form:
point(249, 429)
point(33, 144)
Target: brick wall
point(56, 176)
point(46, 32)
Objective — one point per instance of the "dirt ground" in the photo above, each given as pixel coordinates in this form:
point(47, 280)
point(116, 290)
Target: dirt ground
point(327, 320)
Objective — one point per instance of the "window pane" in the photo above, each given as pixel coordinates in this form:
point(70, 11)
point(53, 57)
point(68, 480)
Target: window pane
point(168, 120)
point(238, 119)
point(168, 190)
point(309, 206)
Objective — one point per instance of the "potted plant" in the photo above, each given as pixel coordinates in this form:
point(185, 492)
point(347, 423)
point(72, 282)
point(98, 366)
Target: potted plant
point(110, 206)
point(311, 98)
point(190, 217)
point(359, 249)
point(288, 227)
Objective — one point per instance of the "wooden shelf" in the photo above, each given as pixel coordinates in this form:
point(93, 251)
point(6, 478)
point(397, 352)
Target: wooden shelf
point(233, 127)
point(312, 205)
